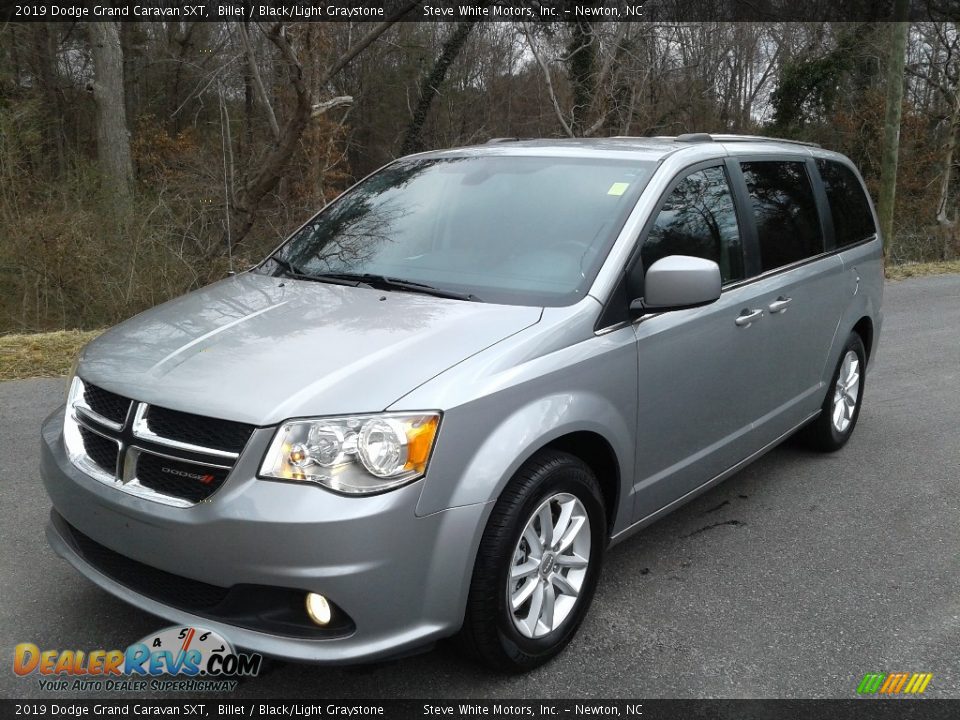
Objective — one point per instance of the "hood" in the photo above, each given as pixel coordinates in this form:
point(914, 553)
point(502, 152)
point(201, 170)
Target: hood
point(259, 349)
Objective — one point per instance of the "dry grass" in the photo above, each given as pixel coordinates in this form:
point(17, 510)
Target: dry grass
point(942, 267)
point(41, 354)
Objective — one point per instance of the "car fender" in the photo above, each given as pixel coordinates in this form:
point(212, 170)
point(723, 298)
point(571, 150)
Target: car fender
point(864, 266)
point(456, 478)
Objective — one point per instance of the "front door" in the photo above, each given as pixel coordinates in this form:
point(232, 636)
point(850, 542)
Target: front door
point(698, 390)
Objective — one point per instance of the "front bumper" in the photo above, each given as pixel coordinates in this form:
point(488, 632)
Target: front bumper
point(401, 579)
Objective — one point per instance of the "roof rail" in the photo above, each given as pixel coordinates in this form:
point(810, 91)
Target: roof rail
point(761, 138)
point(713, 137)
point(493, 141)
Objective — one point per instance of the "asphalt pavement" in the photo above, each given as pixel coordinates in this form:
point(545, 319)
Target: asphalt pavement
point(791, 579)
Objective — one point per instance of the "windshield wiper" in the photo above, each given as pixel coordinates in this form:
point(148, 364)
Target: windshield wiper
point(297, 273)
point(370, 280)
point(391, 283)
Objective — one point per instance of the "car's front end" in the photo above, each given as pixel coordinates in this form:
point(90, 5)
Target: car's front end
point(303, 457)
point(242, 555)
point(180, 482)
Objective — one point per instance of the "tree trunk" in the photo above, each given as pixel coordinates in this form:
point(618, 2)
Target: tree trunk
point(953, 127)
point(581, 63)
point(129, 57)
point(258, 82)
point(246, 139)
point(430, 86)
point(948, 225)
point(891, 129)
point(48, 81)
point(113, 138)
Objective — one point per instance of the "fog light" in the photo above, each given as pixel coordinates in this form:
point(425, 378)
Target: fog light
point(318, 609)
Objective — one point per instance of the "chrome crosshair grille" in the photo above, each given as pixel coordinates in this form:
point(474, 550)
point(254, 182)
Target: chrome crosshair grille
point(164, 455)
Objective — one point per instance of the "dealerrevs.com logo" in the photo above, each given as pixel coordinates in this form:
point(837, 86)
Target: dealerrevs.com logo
point(175, 659)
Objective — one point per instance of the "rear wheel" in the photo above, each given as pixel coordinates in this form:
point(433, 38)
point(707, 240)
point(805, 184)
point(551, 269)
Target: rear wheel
point(841, 408)
point(538, 564)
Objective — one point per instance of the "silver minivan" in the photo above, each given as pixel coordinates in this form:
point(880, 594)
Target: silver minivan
point(434, 407)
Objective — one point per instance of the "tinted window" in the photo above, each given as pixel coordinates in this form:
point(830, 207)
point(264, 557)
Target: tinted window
point(788, 227)
point(852, 219)
point(698, 219)
point(509, 229)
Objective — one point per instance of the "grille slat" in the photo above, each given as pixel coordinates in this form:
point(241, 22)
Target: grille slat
point(168, 470)
point(101, 450)
point(105, 403)
point(184, 427)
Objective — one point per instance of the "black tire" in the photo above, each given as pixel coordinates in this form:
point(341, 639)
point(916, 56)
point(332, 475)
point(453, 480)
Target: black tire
point(821, 434)
point(488, 631)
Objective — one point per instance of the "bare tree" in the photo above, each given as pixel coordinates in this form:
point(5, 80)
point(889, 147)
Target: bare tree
point(430, 85)
point(953, 127)
point(581, 64)
point(113, 138)
point(45, 49)
point(271, 169)
point(891, 129)
point(254, 71)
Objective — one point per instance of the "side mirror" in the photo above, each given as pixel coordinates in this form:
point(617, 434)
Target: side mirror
point(677, 282)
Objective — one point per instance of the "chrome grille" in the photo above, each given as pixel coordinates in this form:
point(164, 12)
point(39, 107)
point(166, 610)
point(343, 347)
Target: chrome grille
point(160, 454)
point(105, 403)
point(224, 435)
point(103, 451)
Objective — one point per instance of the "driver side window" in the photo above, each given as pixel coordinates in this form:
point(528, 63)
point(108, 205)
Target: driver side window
point(699, 219)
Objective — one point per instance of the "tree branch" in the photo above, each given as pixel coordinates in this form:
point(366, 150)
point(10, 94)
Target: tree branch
point(546, 76)
point(272, 168)
point(258, 82)
point(323, 107)
point(364, 42)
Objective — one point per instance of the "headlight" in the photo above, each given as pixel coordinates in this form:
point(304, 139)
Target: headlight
point(356, 454)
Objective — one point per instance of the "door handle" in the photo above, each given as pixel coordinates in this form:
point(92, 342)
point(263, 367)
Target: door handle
point(747, 317)
point(779, 305)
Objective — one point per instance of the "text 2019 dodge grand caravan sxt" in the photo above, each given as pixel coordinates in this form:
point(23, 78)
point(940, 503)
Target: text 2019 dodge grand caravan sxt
point(436, 405)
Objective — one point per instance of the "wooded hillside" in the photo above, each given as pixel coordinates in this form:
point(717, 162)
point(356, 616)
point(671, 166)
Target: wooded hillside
point(138, 160)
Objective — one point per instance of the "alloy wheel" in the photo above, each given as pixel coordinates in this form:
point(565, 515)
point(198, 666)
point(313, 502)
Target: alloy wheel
point(549, 566)
point(846, 392)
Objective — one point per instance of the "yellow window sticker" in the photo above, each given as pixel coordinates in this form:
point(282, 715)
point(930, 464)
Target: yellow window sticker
point(618, 188)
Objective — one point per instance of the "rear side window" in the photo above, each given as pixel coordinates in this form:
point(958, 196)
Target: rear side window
point(788, 226)
point(698, 219)
point(852, 219)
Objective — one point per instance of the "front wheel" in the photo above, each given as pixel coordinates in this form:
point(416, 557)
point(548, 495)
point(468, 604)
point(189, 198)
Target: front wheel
point(841, 408)
point(537, 565)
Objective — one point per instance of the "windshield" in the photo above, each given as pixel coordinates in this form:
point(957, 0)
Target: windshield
point(502, 229)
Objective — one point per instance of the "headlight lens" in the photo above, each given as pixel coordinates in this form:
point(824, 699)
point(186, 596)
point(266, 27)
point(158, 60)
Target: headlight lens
point(357, 454)
point(382, 447)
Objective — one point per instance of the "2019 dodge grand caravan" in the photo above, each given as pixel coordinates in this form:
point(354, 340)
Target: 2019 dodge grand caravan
point(433, 408)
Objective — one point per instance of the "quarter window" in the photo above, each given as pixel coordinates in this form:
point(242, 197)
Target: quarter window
point(788, 226)
point(698, 219)
point(852, 219)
